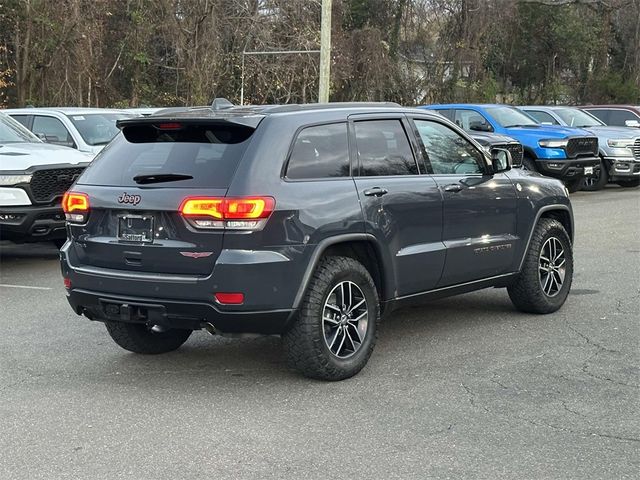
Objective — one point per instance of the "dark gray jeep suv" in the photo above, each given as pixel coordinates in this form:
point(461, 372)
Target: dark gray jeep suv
point(308, 221)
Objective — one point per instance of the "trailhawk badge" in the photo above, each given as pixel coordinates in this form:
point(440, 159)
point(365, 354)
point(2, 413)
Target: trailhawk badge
point(129, 199)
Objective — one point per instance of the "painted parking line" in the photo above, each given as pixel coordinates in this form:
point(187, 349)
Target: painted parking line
point(28, 287)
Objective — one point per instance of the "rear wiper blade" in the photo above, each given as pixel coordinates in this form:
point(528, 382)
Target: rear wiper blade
point(160, 178)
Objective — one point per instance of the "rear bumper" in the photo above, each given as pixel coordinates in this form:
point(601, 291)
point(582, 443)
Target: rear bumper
point(567, 168)
point(621, 168)
point(174, 314)
point(32, 223)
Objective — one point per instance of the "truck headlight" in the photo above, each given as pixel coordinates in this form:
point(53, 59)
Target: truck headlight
point(621, 143)
point(553, 142)
point(9, 180)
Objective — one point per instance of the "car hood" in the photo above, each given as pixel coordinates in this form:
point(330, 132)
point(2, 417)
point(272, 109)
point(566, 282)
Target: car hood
point(22, 156)
point(548, 131)
point(491, 138)
point(614, 132)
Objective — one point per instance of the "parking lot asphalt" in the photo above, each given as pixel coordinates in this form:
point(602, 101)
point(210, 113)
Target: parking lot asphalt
point(464, 387)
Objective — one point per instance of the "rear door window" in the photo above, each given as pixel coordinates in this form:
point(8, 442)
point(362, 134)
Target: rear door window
point(207, 153)
point(384, 149)
point(23, 119)
point(321, 151)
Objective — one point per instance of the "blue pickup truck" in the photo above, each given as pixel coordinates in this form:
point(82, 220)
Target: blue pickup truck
point(566, 153)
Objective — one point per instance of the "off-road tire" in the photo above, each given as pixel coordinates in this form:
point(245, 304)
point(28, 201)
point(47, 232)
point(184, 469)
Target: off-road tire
point(59, 242)
point(138, 338)
point(634, 182)
point(304, 343)
point(598, 183)
point(526, 292)
point(529, 163)
point(574, 185)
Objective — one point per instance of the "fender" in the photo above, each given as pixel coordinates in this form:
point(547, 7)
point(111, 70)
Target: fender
point(321, 247)
point(546, 208)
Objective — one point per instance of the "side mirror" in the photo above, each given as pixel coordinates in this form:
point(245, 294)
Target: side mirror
point(501, 160)
point(632, 123)
point(479, 126)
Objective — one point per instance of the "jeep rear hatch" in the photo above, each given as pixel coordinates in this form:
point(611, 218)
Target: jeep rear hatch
point(135, 189)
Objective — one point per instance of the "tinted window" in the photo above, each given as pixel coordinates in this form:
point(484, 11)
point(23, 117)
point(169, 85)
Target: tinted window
point(618, 117)
point(383, 149)
point(446, 113)
point(97, 128)
point(542, 117)
point(23, 119)
point(51, 130)
point(602, 115)
point(465, 118)
point(448, 152)
point(208, 153)
point(320, 152)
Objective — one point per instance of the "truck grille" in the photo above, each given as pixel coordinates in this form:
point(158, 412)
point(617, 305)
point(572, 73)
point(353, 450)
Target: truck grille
point(636, 149)
point(516, 151)
point(47, 185)
point(582, 146)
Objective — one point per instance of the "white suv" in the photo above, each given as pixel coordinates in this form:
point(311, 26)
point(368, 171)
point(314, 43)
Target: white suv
point(85, 129)
point(33, 178)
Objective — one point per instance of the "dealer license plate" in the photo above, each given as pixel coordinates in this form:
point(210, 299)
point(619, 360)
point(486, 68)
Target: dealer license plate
point(135, 228)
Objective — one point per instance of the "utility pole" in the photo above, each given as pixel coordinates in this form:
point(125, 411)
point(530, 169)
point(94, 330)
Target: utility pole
point(325, 52)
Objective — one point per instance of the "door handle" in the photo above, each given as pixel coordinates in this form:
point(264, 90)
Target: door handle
point(375, 192)
point(454, 187)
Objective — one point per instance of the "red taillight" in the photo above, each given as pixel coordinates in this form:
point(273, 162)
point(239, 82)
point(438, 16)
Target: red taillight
point(243, 213)
point(72, 202)
point(170, 126)
point(76, 207)
point(229, 298)
point(67, 283)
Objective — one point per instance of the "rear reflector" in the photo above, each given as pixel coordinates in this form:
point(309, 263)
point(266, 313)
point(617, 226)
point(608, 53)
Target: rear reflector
point(229, 298)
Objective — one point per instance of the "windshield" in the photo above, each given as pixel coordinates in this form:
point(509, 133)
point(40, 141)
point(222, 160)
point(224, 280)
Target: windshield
point(12, 132)
point(97, 128)
point(508, 117)
point(577, 118)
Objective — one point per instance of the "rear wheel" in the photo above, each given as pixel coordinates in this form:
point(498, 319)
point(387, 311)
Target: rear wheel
point(336, 328)
point(545, 279)
point(598, 180)
point(634, 182)
point(140, 338)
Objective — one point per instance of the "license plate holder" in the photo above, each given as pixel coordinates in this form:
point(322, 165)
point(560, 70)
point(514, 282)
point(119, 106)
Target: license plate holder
point(135, 228)
point(588, 170)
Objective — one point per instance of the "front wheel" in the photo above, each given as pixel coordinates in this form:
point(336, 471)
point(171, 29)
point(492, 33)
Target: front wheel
point(574, 185)
point(335, 329)
point(545, 279)
point(529, 163)
point(139, 338)
point(598, 181)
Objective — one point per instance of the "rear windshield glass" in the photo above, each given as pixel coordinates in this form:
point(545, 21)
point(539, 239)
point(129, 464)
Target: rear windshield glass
point(207, 153)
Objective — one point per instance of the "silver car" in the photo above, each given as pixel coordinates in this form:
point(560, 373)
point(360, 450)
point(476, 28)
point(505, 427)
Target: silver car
point(619, 146)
